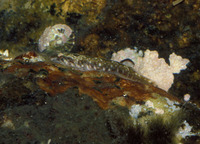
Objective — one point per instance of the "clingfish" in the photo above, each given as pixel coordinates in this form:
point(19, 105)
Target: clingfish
point(85, 63)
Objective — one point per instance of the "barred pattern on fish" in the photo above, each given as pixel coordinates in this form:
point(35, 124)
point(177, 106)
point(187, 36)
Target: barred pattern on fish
point(85, 63)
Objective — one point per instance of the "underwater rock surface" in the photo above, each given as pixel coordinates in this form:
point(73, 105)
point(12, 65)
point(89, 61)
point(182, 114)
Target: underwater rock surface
point(102, 85)
point(43, 102)
point(46, 96)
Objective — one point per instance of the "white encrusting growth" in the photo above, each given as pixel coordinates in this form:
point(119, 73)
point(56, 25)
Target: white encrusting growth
point(153, 67)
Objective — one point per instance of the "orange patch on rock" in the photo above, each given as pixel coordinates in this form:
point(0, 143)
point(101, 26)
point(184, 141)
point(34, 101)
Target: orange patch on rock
point(105, 89)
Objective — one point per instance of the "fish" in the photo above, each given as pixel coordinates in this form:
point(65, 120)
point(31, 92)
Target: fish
point(86, 63)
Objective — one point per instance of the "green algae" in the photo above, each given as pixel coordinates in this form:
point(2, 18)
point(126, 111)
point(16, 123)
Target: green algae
point(66, 118)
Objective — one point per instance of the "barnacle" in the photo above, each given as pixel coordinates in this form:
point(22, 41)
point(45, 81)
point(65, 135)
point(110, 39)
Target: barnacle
point(55, 36)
